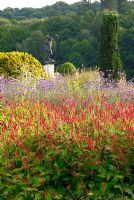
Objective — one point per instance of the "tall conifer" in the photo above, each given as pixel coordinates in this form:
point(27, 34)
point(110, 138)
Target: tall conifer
point(110, 61)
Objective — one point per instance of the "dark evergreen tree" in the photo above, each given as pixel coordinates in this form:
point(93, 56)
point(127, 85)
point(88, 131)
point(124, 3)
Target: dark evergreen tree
point(110, 61)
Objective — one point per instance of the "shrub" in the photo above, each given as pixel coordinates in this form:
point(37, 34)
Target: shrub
point(67, 68)
point(15, 63)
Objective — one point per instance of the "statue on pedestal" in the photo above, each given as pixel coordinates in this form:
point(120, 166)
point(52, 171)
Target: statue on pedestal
point(48, 47)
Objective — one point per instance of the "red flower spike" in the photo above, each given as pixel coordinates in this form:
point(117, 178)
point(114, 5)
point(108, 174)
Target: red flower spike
point(132, 135)
point(75, 174)
point(90, 143)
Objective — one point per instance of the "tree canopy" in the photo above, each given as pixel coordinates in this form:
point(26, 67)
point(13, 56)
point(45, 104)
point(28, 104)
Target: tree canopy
point(75, 29)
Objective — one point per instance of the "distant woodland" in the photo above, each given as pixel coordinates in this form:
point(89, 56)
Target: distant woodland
point(75, 30)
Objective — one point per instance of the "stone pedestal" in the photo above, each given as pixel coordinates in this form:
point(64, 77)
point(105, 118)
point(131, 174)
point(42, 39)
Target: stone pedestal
point(49, 69)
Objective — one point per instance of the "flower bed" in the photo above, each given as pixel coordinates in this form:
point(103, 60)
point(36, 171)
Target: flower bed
point(67, 148)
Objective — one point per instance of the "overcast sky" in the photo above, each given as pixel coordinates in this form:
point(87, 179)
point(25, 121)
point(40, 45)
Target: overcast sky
point(30, 3)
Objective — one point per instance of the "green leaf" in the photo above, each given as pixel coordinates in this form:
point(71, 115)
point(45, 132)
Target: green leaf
point(80, 189)
point(49, 197)
point(61, 190)
point(103, 187)
point(29, 189)
point(38, 181)
point(38, 196)
point(18, 197)
point(129, 191)
point(58, 196)
point(119, 187)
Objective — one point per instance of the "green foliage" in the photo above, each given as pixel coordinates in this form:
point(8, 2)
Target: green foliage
point(126, 43)
point(122, 6)
point(73, 26)
point(109, 50)
point(109, 4)
point(36, 41)
point(67, 68)
point(119, 5)
point(59, 8)
point(16, 63)
point(80, 52)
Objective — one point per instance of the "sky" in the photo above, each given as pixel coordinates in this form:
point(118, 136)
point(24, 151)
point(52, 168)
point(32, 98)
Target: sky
point(30, 3)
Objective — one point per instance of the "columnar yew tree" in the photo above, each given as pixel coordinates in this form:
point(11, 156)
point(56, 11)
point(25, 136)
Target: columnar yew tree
point(109, 51)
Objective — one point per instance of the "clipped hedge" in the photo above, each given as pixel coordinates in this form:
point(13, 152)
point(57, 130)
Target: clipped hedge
point(15, 63)
point(67, 68)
